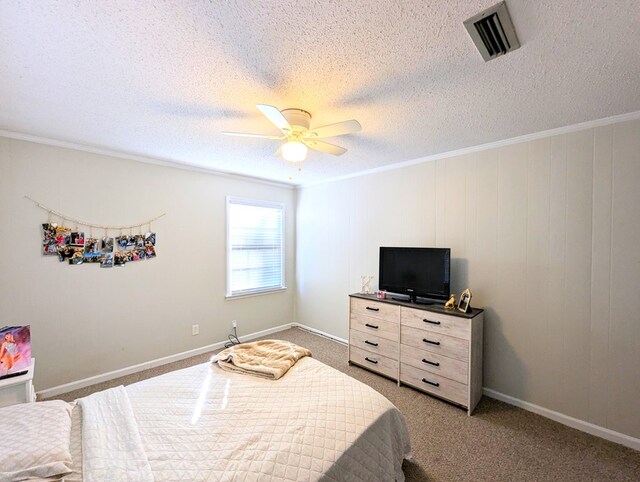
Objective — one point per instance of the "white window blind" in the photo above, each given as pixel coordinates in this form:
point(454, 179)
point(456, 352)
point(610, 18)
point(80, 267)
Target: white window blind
point(255, 246)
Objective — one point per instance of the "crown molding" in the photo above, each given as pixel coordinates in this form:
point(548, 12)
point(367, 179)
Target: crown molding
point(136, 157)
point(616, 119)
point(630, 116)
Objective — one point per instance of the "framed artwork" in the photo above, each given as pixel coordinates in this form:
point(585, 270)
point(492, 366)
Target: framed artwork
point(15, 350)
point(465, 301)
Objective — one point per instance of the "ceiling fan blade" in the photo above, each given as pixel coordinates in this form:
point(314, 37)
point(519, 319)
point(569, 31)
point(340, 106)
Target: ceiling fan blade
point(275, 116)
point(337, 129)
point(245, 134)
point(324, 147)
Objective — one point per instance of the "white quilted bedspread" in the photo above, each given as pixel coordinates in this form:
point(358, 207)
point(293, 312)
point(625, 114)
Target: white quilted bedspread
point(110, 439)
point(314, 424)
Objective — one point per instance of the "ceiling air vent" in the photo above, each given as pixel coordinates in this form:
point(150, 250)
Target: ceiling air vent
point(492, 31)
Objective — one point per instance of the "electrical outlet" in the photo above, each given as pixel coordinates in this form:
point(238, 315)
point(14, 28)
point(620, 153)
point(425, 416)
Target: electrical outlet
point(234, 323)
point(195, 329)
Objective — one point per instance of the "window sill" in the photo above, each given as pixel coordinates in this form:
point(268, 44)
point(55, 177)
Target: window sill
point(256, 293)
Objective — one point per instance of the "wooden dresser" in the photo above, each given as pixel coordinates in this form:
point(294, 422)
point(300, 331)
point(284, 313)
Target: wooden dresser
point(435, 350)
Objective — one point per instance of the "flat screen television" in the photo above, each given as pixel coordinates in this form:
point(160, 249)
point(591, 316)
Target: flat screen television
point(416, 272)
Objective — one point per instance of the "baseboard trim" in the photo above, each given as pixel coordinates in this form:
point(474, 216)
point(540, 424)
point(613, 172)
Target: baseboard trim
point(581, 425)
point(578, 424)
point(121, 372)
point(315, 331)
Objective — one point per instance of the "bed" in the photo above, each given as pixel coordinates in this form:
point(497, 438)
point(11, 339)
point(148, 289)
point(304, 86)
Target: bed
point(202, 423)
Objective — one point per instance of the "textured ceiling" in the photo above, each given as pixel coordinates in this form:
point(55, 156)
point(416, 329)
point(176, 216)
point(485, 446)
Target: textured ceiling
point(163, 79)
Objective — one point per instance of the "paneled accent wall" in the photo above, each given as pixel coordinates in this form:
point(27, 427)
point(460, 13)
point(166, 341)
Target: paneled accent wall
point(546, 234)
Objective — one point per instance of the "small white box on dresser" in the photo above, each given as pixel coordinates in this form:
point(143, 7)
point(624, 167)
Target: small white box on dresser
point(427, 347)
point(18, 389)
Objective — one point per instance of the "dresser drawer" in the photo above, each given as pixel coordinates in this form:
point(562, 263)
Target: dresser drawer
point(375, 309)
point(436, 322)
point(374, 326)
point(451, 368)
point(377, 363)
point(435, 343)
point(435, 384)
point(374, 343)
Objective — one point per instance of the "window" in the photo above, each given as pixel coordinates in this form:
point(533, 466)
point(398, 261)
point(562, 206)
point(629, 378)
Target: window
point(255, 246)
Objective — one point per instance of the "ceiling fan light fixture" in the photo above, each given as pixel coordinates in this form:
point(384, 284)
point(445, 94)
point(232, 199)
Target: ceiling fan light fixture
point(294, 151)
point(293, 125)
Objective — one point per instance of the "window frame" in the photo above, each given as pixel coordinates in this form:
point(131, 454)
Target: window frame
point(257, 203)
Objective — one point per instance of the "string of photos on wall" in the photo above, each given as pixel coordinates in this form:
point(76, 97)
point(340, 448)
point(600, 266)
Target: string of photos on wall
point(71, 245)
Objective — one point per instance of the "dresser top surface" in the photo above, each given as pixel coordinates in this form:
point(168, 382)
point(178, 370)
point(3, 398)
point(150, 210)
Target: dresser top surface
point(434, 308)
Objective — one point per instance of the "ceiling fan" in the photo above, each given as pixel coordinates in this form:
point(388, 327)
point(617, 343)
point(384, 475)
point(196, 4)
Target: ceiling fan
point(294, 126)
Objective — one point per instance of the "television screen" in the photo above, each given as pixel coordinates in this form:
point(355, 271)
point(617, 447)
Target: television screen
point(422, 272)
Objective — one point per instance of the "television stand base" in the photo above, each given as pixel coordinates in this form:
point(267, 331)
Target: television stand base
point(414, 300)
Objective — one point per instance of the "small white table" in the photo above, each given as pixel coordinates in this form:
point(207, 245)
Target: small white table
point(18, 389)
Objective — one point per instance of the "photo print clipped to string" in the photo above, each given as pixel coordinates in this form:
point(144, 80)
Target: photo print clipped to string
point(74, 242)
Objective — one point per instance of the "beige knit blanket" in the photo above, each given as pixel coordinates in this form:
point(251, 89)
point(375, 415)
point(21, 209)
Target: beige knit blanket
point(267, 358)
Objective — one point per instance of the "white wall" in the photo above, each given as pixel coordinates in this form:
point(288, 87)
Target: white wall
point(86, 320)
point(545, 233)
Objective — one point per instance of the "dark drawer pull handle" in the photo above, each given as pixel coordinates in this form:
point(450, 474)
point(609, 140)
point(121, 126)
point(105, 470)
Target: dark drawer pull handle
point(431, 383)
point(431, 341)
point(371, 326)
point(375, 362)
point(373, 309)
point(435, 364)
point(430, 321)
point(370, 343)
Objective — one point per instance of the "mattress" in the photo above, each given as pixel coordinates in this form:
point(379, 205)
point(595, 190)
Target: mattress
point(314, 424)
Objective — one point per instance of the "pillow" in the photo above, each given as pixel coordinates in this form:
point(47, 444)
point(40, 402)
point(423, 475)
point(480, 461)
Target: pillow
point(34, 440)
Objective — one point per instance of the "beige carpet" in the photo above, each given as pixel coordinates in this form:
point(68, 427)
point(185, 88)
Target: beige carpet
point(498, 443)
